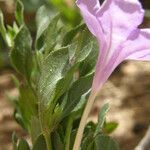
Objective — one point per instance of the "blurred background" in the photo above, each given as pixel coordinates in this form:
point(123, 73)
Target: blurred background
point(127, 91)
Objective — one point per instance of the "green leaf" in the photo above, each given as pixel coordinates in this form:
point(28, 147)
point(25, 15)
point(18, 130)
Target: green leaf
point(69, 36)
point(103, 142)
point(43, 18)
point(11, 33)
point(69, 14)
point(27, 100)
point(51, 123)
point(84, 52)
point(64, 83)
point(19, 119)
point(2, 27)
point(19, 13)
point(39, 143)
point(79, 53)
point(78, 88)
point(87, 143)
point(51, 72)
point(88, 65)
point(21, 54)
point(32, 5)
point(52, 33)
point(35, 128)
point(101, 118)
point(17, 113)
point(23, 145)
point(80, 106)
point(57, 143)
point(109, 127)
point(88, 139)
point(84, 46)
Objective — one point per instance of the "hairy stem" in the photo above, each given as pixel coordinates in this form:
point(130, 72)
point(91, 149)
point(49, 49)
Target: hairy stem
point(82, 124)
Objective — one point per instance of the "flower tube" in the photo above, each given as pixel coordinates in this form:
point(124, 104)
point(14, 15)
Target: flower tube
point(115, 26)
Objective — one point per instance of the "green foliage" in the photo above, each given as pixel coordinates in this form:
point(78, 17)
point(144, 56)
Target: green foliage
point(57, 142)
point(57, 70)
point(19, 13)
point(70, 14)
point(101, 118)
point(103, 142)
point(32, 5)
point(28, 99)
point(23, 145)
point(109, 127)
point(51, 35)
point(78, 88)
point(35, 128)
point(39, 144)
point(43, 19)
point(72, 33)
point(19, 144)
point(51, 73)
point(21, 54)
point(2, 27)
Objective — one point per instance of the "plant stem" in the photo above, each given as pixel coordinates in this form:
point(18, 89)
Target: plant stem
point(48, 141)
point(82, 124)
point(68, 133)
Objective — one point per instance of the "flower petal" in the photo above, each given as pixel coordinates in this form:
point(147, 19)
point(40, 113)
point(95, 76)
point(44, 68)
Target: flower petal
point(125, 15)
point(103, 70)
point(113, 24)
point(118, 18)
point(138, 45)
point(88, 10)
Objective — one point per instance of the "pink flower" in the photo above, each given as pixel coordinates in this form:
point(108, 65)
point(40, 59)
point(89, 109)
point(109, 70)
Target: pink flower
point(115, 25)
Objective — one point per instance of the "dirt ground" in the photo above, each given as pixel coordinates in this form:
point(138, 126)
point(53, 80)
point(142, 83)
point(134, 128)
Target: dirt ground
point(127, 91)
